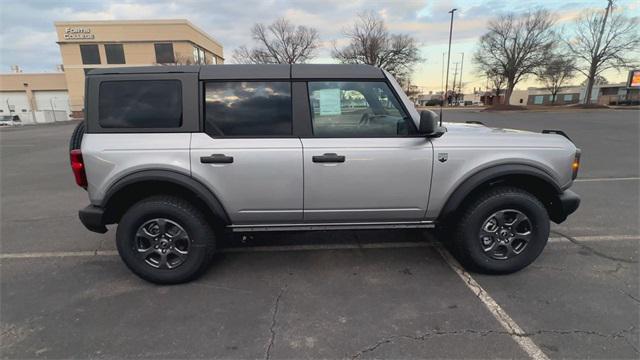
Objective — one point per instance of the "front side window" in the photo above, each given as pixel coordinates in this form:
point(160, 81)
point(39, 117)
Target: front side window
point(90, 54)
point(248, 108)
point(140, 104)
point(357, 109)
point(115, 53)
point(164, 53)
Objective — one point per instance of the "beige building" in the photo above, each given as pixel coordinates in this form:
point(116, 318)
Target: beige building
point(34, 97)
point(86, 45)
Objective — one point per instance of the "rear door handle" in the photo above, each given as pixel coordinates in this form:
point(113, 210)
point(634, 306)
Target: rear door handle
point(216, 159)
point(328, 158)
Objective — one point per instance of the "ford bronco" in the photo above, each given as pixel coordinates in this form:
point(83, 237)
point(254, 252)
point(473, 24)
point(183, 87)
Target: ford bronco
point(177, 155)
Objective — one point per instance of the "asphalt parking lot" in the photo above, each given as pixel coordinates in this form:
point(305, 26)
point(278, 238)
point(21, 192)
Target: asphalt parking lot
point(367, 294)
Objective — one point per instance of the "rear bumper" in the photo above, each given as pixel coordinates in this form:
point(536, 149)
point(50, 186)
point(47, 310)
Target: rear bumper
point(92, 218)
point(568, 204)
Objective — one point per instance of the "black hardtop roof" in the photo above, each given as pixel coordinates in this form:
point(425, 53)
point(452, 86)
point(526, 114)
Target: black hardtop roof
point(255, 71)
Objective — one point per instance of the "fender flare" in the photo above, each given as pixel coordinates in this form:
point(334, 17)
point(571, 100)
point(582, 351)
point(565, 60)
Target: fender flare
point(494, 172)
point(173, 177)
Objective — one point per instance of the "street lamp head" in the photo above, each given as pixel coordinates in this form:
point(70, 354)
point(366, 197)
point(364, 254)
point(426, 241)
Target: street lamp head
point(452, 11)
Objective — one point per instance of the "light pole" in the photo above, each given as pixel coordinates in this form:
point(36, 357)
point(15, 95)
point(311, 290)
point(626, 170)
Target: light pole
point(446, 85)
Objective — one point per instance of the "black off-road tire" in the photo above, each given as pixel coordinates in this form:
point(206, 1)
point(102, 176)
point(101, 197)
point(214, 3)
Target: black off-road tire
point(200, 233)
point(76, 137)
point(466, 244)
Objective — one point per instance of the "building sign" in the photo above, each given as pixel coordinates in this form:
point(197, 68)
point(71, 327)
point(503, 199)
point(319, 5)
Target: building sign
point(634, 79)
point(78, 33)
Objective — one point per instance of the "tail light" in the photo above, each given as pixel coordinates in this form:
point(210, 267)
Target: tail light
point(77, 165)
point(575, 166)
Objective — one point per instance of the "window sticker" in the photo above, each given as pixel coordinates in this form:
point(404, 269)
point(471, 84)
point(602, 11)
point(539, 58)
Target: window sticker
point(329, 101)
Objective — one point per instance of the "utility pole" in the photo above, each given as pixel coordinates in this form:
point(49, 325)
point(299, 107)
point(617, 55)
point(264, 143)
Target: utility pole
point(461, 66)
point(592, 68)
point(455, 75)
point(446, 88)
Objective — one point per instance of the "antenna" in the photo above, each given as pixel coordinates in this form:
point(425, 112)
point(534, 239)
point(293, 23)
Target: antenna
point(446, 87)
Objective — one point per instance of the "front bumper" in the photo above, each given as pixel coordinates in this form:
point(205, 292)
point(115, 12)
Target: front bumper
point(567, 205)
point(92, 218)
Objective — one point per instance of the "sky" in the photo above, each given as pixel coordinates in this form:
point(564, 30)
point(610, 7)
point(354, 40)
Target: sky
point(28, 37)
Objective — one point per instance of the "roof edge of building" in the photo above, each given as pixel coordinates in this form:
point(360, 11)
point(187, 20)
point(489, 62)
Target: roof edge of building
point(139, 22)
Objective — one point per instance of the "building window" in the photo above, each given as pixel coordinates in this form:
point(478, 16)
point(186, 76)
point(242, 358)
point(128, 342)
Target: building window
point(195, 56)
point(198, 56)
point(568, 98)
point(248, 109)
point(140, 104)
point(538, 99)
point(90, 54)
point(164, 53)
point(521, 101)
point(115, 53)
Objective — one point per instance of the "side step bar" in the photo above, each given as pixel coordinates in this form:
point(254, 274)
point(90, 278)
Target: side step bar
point(333, 226)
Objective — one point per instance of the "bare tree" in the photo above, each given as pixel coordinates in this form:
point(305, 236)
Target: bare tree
point(600, 43)
point(599, 80)
point(516, 46)
point(371, 43)
point(555, 73)
point(279, 43)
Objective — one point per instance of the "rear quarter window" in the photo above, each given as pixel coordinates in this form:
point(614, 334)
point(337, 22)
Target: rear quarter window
point(140, 104)
point(248, 108)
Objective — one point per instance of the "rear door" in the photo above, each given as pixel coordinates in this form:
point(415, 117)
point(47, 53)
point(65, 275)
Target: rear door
point(247, 153)
point(364, 161)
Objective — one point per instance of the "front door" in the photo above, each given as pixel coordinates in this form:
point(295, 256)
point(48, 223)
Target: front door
point(365, 161)
point(247, 154)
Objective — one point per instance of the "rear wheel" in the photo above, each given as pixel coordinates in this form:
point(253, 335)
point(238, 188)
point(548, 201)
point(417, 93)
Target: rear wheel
point(501, 232)
point(165, 240)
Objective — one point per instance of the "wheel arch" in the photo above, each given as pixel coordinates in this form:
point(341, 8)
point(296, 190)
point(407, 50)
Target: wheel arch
point(527, 177)
point(138, 185)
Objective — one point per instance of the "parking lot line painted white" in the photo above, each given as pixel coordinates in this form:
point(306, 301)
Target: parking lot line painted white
point(54, 254)
point(515, 331)
point(589, 238)
point(382, 245)
point(608, 179)
point(385, 245)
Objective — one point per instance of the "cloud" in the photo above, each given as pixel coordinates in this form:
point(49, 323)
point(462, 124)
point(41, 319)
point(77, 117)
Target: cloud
point(28, 36)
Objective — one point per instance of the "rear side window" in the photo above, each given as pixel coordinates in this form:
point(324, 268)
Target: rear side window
point(140, 104)
point(248, 108)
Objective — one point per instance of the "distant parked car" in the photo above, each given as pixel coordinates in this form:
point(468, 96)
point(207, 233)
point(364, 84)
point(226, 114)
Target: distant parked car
point(9, 120)
point(433, 102)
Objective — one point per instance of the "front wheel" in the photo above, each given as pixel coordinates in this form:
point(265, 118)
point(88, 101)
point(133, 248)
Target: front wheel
point(501, 232)
point(165, 240)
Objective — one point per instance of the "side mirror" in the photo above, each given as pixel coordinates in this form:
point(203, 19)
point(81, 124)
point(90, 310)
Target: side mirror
point(429, 124)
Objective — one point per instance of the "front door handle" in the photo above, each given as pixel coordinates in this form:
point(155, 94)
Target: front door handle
point(328, 158)
point(216, 159)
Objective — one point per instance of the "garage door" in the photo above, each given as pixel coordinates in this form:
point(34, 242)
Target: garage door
point(16, 101)
point(52, 100)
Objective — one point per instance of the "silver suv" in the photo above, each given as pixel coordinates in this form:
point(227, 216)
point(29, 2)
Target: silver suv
point(178, 155)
